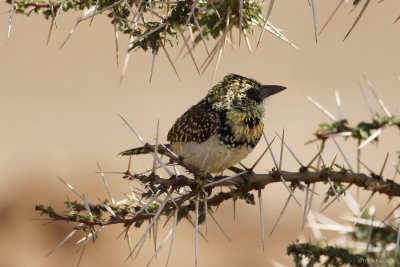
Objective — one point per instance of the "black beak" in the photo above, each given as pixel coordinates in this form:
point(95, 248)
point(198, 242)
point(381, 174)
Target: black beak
point(268, 90)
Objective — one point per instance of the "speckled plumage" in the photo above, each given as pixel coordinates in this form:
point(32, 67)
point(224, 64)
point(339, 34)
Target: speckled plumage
point(224, 127)
point(197, 124)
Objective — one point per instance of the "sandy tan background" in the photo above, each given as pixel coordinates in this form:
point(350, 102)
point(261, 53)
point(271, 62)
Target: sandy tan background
point(59, 115)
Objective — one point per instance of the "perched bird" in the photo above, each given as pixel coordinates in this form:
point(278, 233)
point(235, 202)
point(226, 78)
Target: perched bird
point(223, 128)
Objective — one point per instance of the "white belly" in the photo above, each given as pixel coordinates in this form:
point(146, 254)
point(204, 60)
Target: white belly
point(210, 156)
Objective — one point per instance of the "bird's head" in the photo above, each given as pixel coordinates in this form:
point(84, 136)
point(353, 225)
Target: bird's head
point(236, 91)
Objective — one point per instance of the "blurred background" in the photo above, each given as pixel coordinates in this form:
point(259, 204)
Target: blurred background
point(59, 115)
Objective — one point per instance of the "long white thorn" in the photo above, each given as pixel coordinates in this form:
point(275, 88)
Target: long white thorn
point(71, 234)
point(380, 101)
point(277, 167)
point(261, 210)
point(281, 152)
point(153, 61)
point(196, 230)
point(149, 33)
point(372, 214)
point(81, 255)
point(277, 33)
point(95, 10)
point(218, 61)
point(60, 8)
point(248, 44)
point(87, 14)
point(205, 210)
point(314, 15)
point(343, 155)
point(352, 203)
point(116, 38)
point(384, 164)
point(372, 136)
point(10, 19)
point(151, 201)
point(223, 39)
point(126, 60)
point(133, 130)
point(106, 185)
point(87, 205)
point(397, 241)
point(204, 66)
point(223, 180)
point(333, 188)
point(201, 35)
point(52, 22)
point(173, 235)
point(290, 150)
point(339, 105)
point(89, 236)
point(262, 155)
point(358, 17)
point(72, 188)
point(396, 169)
point(191, 13)
point(108, 208)
point(145, 233)
point(190, 51)
point(365, 205)
point(280, 214)
point(311, 221)
point(333, 200)
point(305, 207)
point(240, 21)
point(170, 61)
point(219, 225)
point(200, 233)
point(160, 247)
point(153, 171)
point(70, 34)
point(271, 5)
point(367, 101)
point(322, 109)
point(331, 16)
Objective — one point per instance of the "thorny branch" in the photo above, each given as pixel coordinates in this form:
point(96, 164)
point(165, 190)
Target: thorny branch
point(179, 196)
point(152, 25)
point(240, 186)
point(361, 131)
point(207, 18)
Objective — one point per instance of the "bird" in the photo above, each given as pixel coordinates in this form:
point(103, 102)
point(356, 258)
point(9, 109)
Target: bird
point(222, 128)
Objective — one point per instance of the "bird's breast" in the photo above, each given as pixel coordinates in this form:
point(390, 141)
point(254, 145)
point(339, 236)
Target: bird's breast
point(210, 156)
point(242, 129)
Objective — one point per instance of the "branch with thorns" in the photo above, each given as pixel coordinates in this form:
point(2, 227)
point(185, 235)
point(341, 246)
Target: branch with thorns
point(240, 187)
point(363, 132)
point(153, 24)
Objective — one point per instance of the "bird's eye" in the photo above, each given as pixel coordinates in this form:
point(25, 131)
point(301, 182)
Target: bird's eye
point(254, 94)
point(237, 102)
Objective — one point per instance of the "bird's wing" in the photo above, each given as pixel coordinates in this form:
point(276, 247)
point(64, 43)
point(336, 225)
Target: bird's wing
point(197, 124)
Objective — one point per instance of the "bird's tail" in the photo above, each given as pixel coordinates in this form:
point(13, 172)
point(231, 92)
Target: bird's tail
point(143, 150)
